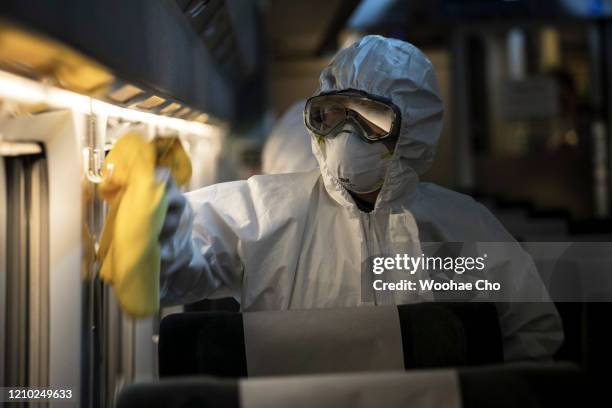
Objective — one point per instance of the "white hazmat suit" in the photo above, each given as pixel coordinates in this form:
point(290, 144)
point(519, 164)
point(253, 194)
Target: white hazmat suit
point(298, 241)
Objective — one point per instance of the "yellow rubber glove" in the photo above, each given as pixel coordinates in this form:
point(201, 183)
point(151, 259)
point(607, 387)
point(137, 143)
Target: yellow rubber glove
point(129, 248)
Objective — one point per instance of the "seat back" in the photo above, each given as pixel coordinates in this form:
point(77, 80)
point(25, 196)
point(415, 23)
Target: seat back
point(508, 386)
point(330, 340)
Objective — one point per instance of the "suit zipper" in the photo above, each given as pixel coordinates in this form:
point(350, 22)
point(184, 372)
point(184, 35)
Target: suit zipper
point(366, 235)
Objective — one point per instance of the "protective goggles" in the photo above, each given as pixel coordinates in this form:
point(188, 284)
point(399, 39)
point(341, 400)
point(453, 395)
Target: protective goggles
point(377, 118)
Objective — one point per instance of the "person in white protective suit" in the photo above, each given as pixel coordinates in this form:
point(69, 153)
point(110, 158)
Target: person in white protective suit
point(298, 241)
point(288, 148)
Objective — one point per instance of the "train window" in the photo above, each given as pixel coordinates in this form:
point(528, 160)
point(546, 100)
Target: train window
point(532, 113)
point(25, 295)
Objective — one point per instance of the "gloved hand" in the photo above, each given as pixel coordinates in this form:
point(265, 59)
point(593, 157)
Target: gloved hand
point(176, 205)
point(175, 242)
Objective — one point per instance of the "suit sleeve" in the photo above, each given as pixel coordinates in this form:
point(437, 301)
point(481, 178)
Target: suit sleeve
point(530, 324)
point(201, 259)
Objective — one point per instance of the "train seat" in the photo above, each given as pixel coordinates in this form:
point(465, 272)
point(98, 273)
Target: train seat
point(509, 386)
point(329, 340)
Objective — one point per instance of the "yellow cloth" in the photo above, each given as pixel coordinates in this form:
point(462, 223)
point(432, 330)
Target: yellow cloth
point(129, 249)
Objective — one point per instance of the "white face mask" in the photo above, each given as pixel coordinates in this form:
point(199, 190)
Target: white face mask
point(358, 165)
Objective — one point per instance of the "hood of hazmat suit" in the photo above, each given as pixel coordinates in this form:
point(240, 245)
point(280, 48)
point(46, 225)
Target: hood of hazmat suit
point(287, 149)
point(299, 241)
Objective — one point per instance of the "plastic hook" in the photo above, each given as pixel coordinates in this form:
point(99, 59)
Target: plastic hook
point(93, 155)
point(95, 170)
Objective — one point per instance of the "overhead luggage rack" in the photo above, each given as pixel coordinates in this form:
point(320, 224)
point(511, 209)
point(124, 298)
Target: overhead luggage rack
point(154, 47)
point(43, 74)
